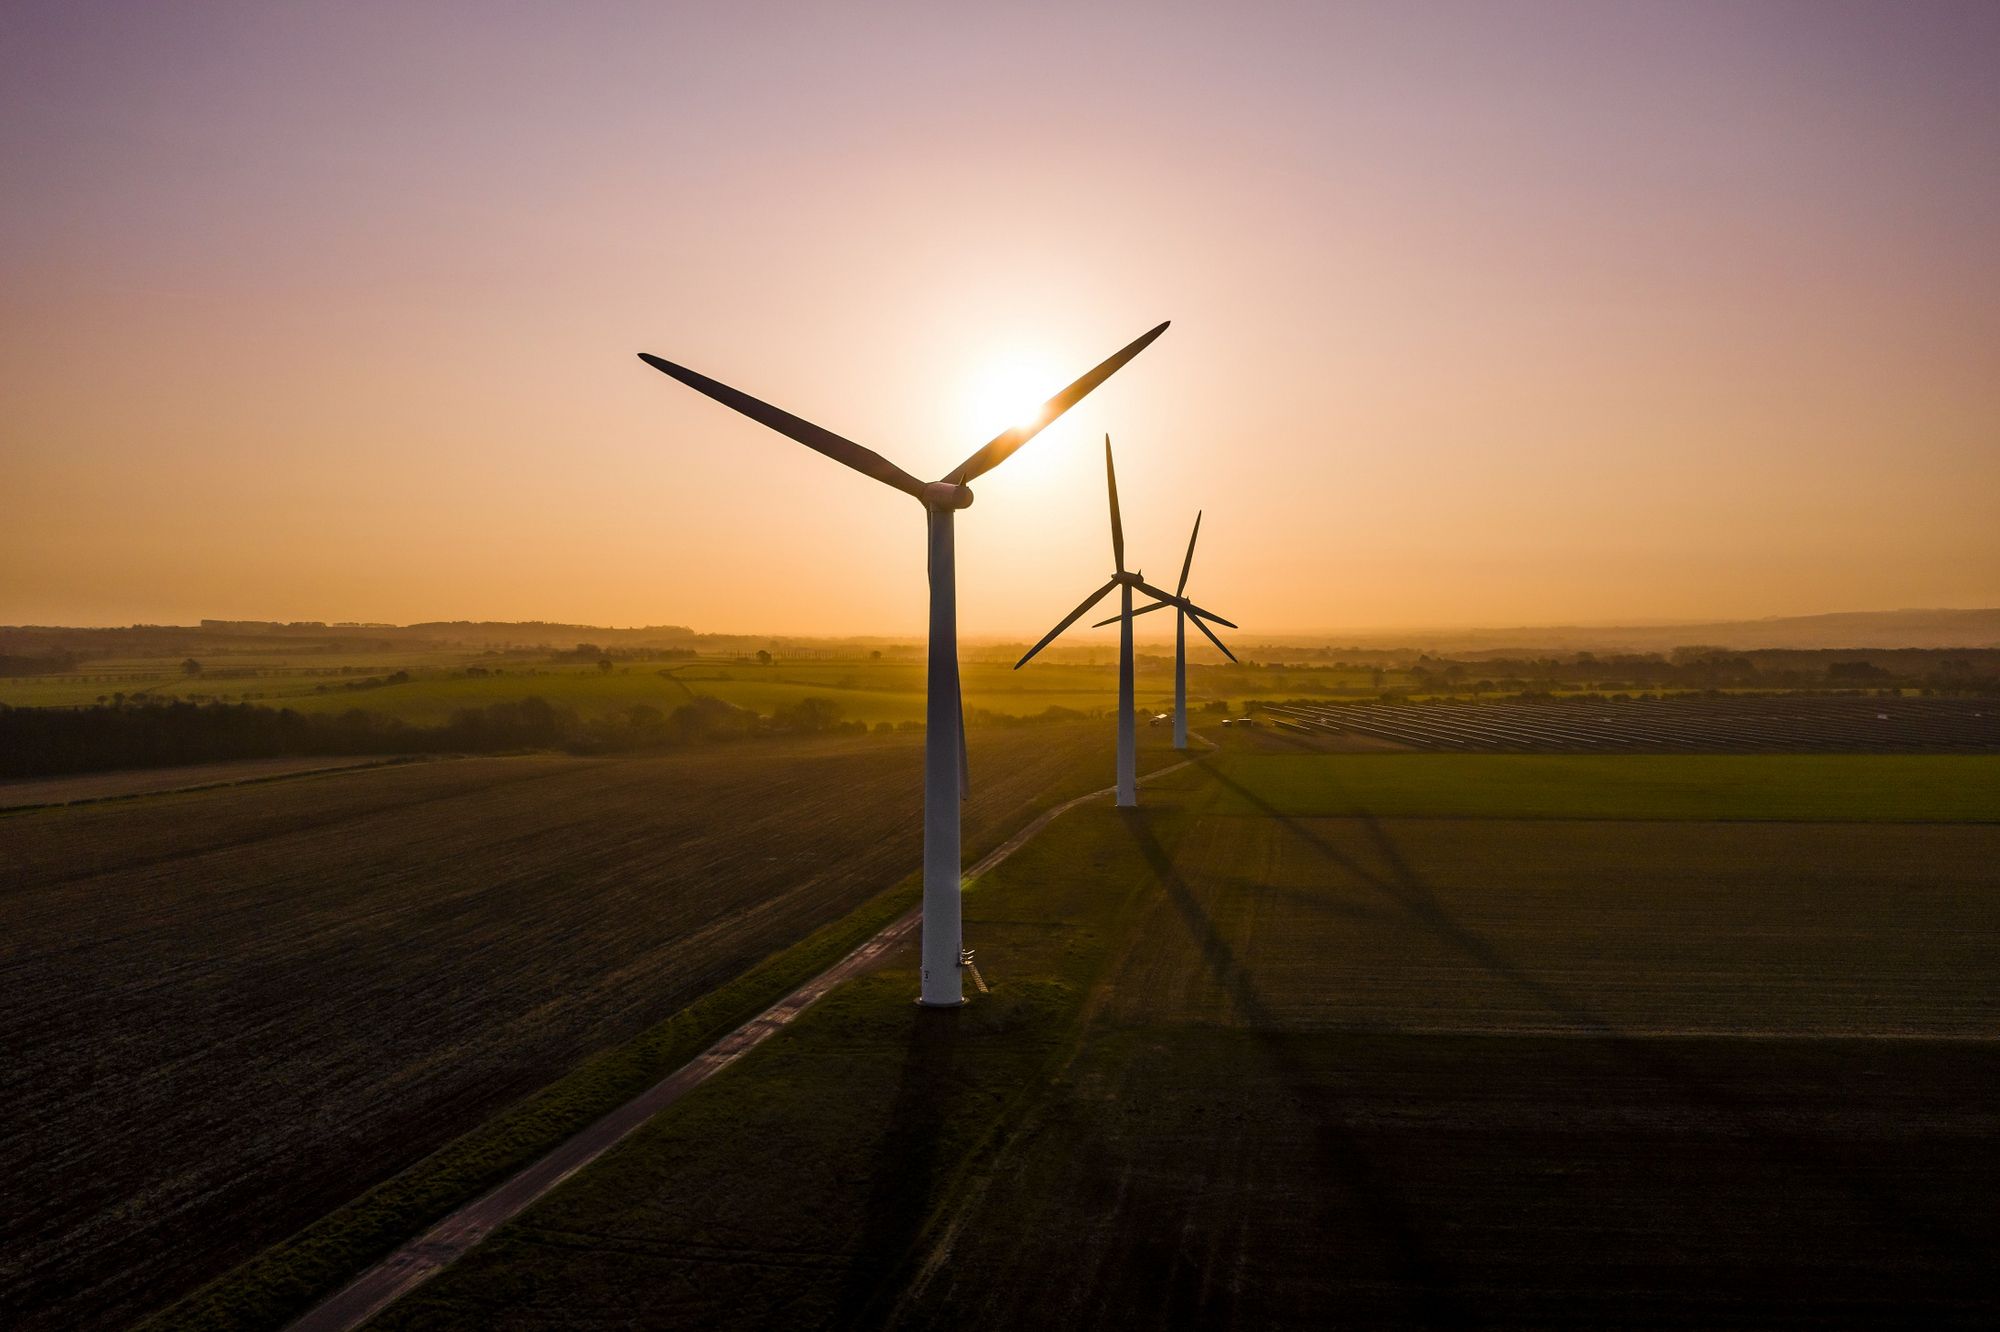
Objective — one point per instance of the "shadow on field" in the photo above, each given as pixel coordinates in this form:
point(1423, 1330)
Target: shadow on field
point(1402, 1250)
point(1403, 887)
point(1652, 1059)
point(902, 1169)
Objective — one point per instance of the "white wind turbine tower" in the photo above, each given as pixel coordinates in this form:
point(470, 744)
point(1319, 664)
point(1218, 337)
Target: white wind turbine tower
point(944, 713)
point(1184, 610)
point(1128, 763)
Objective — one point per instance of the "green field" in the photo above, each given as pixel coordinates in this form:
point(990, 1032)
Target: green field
point(1892, 787)
point(869, 689)
point(1301, 1044)
point(279, 674)
point(439, 684)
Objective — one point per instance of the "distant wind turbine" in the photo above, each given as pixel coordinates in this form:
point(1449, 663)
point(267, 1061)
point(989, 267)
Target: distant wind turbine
point(1184, 610)
point(945, 777)
point(1128, 764)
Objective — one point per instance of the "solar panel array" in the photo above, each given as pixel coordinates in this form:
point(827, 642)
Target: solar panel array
point(1684, 724)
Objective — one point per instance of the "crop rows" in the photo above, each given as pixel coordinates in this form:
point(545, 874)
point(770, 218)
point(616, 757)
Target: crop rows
point(1725, 724)
point(1253, 1070)
point(229, 1011)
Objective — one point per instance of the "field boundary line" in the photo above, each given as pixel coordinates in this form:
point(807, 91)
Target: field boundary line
point(422, 1258)
point(367, 765)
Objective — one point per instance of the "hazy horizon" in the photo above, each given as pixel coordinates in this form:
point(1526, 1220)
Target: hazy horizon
point(1153, 631)
point(1550, 314)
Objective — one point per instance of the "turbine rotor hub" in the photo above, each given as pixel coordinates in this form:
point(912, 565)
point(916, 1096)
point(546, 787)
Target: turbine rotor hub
point(947, 495)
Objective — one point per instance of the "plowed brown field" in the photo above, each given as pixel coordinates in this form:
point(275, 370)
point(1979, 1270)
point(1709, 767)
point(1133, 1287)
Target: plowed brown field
point(229, 1011)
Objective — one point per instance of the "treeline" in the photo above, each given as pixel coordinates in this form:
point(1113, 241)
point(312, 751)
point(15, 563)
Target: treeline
point(41, 742)
point(48, 663)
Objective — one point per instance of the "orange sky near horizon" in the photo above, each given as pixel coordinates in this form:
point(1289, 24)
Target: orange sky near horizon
point(1525, 314)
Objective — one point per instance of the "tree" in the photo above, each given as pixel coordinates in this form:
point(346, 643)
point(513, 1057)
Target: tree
point(604, 665)
point(708, 717)
point(763, 657)
point(190, 667)
point(810, 715)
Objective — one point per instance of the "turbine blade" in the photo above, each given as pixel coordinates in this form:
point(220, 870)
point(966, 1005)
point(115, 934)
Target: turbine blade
point(1141, 611)
point(1207, 614)
point(863, 460)
point(1201, 625)
point(1188, 563)
point(1067, 621)
point(999, 447)
point(1117, 527)
point(1184, 604)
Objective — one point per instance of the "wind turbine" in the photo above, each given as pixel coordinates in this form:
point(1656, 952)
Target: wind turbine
point(1128, 775)
point(1184, 610)
point(945, 777)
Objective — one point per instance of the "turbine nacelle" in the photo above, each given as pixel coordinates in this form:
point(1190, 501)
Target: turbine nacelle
point(1177, 599)
point(946, 495)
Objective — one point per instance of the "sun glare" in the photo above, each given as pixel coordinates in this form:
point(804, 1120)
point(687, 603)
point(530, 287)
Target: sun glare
point(1006, 392)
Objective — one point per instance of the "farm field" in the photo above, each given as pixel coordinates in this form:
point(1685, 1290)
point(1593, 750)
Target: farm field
point(1333, 706)
point(1249, 1067)
point(1686, 724)
point(230, 1010)
point(278, 672)
point(896, 696)
point(439, 684)
point(74, 789)
point(1869, 787)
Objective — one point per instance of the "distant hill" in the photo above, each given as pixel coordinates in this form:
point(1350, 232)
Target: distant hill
point(486, 633)
point(225, 636)
point(1877, 630)
point(50, 645)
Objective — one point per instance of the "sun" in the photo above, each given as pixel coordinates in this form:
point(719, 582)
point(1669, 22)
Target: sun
point(1005, 392)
